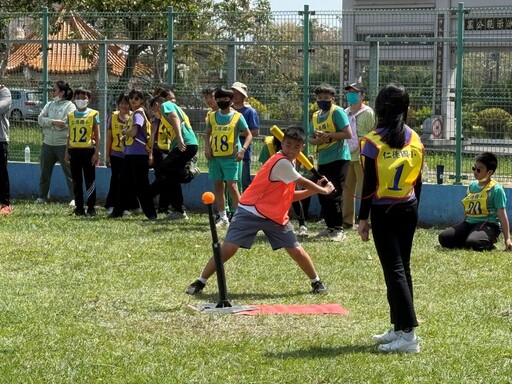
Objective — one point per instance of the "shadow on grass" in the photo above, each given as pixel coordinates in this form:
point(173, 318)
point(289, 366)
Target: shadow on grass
point(319, 352)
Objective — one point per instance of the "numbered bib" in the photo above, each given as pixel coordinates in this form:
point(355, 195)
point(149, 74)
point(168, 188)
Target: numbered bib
point(475, 203)
point(117, 128)
point(81, 130)
point(223, 135)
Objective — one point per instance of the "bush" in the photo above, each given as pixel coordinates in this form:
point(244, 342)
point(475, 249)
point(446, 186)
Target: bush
point(495, 121)
point(416, 117)
point(259, 107)
point(470, 121)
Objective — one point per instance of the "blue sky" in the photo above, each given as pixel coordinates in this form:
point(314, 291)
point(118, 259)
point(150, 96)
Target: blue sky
point(314, 5)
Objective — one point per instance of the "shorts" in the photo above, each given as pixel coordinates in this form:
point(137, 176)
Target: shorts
point(245, 225)
point(223, 168)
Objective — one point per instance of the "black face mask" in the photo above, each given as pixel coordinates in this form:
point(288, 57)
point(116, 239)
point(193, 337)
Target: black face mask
point(223, 104)
point(324, 105)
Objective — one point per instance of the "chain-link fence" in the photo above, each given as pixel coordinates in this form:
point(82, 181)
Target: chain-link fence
point(281, 56)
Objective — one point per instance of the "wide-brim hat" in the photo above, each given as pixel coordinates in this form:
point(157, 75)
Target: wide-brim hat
point(240, 87)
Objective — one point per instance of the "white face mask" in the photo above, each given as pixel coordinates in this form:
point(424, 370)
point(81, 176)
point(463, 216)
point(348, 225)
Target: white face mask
point(56, 98)
point(81, 104)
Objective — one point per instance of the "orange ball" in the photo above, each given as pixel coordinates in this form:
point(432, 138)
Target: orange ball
point(208, 198)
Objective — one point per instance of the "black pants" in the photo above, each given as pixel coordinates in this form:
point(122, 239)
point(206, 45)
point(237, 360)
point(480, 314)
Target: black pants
point(114, 192)
point(479, 236)
point(4, 174)
point(82, 170)
point(157, 186)
point(335, 172)
point(134, 178)
point(393, 229)
point(173, 173)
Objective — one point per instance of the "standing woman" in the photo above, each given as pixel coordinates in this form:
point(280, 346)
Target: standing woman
point(54, 121)
point(138, 156)
point(392, 158)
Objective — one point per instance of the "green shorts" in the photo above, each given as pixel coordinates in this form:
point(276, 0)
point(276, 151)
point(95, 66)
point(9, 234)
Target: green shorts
point(223, 168)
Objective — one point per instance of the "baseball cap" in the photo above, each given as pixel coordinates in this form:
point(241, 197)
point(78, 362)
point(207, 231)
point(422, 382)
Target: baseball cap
point(240, 87)
point(357, 86)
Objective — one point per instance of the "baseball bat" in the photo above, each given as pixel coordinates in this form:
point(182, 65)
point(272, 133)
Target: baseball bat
point(301, 158)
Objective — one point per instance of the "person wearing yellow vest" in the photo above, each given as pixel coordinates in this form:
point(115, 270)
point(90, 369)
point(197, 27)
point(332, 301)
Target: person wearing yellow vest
point(330, 131)
point(392, 158)
point(83, 151)
point(224, 151)
point(114, 156)
point(485, 211)
point(264, 206)
point(183, 145)
point(362, 121)
point(137, 157)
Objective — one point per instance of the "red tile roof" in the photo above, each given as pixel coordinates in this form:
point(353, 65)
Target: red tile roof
point(70, 58)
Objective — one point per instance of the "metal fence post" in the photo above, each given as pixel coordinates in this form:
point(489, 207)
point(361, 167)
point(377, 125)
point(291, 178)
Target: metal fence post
point(374, 72)
point(102, 93)
point(44, 43)
point(458, 93)
point(170, 46)
point(231, 63)
point(305, 50)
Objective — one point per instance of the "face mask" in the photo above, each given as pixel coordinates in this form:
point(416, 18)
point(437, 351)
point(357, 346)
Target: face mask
point(56, 98)
point(352, 98)
point(483, 179)
point(223, 104)
point(81, 104)
point(324, 105)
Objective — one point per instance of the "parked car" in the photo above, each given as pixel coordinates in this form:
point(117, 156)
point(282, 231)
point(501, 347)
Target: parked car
point(26, 104)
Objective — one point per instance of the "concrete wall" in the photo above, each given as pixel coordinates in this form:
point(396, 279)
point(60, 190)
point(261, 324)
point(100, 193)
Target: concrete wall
point(440, 204)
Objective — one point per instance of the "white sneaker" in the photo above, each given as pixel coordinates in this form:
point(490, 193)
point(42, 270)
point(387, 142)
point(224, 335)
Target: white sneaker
point(72, 203)
point(387, 337)
point(109, 210)
point(303, 231)
point(400, 345)
point(338, 235)
point(177, 216)
point(222, 223)
point(40, 200)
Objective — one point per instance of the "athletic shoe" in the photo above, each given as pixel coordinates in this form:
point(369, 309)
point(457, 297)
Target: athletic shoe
point(318, 287)
point(338, 235)
point(303, 231)
point(91, 212)
point(109, 210)
point(40, 200)
point(222, 223)
point(333, 234)
point(400, 345)
point(79, 212)
point(177, 216)
point(72, 203)
point(195, 288)
point(387, 337)
point(6, 210)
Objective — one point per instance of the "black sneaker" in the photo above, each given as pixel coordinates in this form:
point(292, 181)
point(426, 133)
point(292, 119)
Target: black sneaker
point(195, 288)
point(318, 287)
point(91, 212)
point(79, 212)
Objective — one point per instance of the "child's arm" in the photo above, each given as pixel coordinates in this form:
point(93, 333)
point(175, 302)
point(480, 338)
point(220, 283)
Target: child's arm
point(96, 134)
point(108, 147)
point(309, 188)
point(505, 228)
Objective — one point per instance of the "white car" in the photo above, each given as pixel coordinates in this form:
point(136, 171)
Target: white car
point(26, 104)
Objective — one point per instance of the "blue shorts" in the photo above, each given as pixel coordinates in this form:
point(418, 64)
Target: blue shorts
point(245, 225)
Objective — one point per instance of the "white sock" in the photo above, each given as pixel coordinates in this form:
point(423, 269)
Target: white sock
point(202, 279)
point(315, 279)
point(223, 215)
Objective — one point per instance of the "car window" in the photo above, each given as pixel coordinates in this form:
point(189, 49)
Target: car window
point(15, 95)
point(35, 96)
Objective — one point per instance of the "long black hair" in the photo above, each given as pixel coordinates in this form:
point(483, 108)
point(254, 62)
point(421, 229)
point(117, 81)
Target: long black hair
point(391, 107)
point(64, 87)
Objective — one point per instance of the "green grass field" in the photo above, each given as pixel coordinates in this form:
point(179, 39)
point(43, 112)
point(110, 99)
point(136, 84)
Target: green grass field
point(102, 301)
